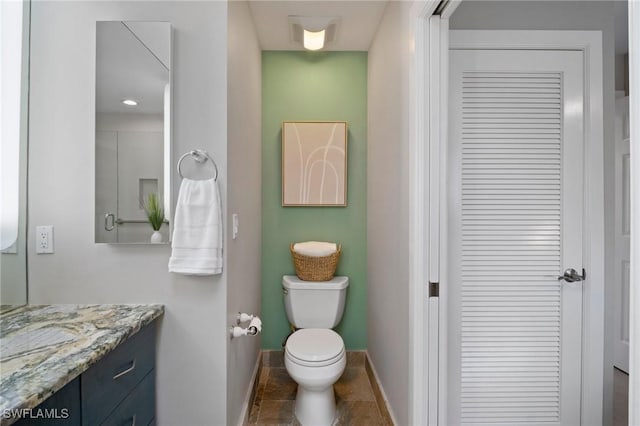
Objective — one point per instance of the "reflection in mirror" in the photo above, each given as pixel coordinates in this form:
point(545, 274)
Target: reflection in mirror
point(133, 128)
point(14, 27)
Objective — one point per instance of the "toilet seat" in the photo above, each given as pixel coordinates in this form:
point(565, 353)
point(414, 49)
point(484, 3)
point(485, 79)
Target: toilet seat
point(315, 347)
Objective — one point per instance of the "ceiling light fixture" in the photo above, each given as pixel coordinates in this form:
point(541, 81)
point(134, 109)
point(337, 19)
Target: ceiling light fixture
point(313, 40)
point(313, 33)
point(129, 102)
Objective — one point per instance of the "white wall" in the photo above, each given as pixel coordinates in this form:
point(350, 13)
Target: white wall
point(244, 105)
point(191, 365)
point(567, 15)
point(387, 207)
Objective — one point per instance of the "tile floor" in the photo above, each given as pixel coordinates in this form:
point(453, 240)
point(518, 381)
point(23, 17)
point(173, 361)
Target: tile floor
point(359, 402)
point(356, 398)
point(620, 398)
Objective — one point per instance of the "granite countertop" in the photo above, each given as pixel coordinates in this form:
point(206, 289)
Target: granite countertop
point(44, 347)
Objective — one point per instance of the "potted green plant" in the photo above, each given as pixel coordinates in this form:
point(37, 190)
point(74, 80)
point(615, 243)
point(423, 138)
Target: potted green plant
point(155, 214)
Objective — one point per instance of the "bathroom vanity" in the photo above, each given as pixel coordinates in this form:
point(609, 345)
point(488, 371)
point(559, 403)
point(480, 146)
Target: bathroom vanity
point(78, 364)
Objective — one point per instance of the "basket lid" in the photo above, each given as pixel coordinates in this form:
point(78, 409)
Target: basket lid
point(292, 282)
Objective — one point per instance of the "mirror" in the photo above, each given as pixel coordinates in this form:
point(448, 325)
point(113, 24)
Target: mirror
point(133, 129)
point(14, 61)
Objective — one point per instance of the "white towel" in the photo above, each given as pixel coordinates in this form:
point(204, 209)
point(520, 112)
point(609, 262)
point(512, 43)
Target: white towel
point(197, 229)
point(315, 248)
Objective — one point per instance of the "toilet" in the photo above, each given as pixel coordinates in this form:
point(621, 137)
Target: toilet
point(315, 356)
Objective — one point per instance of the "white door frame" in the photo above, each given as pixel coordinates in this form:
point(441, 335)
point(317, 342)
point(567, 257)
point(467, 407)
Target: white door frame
point(429, 88)
point(634, 298)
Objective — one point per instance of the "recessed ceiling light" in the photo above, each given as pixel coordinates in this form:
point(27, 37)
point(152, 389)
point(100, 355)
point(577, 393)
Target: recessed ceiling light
point(313, 40)
point(129, 102)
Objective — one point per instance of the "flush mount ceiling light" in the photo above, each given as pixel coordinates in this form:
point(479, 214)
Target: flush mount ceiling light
point(313, 40)
point(130, 102)
point(314, 33)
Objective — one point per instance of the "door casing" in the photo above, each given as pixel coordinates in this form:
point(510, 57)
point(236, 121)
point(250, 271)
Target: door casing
point(428, 121)
point(634, 296)
point(621, 241)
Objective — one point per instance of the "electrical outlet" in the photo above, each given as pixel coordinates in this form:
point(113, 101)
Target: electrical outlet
point(44, 239)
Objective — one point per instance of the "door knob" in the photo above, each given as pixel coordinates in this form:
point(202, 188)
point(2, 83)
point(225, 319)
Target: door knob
point(571, 275)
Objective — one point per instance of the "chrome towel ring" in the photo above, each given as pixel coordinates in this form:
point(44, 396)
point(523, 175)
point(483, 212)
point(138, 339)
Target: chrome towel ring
point(199, 156)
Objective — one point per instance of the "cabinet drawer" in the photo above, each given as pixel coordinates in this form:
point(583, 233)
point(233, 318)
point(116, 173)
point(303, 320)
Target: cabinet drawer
point(110, 380)
point(137, 409)
point(60, 409)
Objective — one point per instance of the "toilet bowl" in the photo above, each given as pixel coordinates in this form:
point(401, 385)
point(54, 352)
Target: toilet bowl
point(314, 355)
point(315, 358)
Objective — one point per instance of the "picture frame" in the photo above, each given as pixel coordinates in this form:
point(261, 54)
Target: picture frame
point(314, 163)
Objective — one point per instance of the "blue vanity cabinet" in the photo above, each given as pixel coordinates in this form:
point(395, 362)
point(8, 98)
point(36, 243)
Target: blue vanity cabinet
point(138, 408)
point(106, 385)
point(119, 390)
point(60, 409)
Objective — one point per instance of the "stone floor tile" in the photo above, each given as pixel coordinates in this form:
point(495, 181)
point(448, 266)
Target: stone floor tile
point(620, 398)
point(276, 413)
point(355, 359)
point(354, 386)
point(358, 413)
point(355, 399)
point(279, 386)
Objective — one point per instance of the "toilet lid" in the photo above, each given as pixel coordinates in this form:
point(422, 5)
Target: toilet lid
point(315, 345)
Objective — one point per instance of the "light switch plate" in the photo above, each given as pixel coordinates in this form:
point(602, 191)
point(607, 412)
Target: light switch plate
point(235, 225)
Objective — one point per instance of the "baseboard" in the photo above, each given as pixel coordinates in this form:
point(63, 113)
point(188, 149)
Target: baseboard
point(243, 419)
point(381, 397)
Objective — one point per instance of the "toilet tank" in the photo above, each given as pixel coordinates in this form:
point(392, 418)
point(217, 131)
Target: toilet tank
point(312, 304)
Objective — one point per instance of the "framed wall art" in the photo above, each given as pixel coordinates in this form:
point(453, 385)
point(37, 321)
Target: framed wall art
point(314, 163)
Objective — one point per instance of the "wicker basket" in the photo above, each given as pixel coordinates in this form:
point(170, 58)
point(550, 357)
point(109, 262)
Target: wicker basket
point(310, 268)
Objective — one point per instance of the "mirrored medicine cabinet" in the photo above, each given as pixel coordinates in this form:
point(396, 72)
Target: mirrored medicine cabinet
point(132, 129)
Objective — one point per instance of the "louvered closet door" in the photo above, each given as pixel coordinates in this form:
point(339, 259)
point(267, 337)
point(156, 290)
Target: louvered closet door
point(515, 224)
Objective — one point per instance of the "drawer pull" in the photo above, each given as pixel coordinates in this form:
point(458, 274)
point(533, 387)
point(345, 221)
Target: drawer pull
point(133, 420)
point(125, 372)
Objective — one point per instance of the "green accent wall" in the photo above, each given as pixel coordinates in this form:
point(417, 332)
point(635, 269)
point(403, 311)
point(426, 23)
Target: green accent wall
point(314, 86)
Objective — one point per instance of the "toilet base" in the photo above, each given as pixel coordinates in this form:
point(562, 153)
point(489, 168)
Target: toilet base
point(315, 408)
point(315, 401)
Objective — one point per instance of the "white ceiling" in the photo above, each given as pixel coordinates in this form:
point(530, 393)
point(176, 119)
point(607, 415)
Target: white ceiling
point(358, 21)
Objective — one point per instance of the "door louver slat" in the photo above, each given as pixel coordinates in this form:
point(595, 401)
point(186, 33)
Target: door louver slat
point(511, 246)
